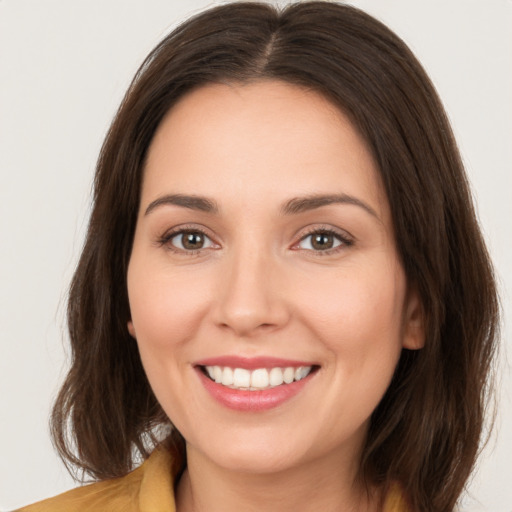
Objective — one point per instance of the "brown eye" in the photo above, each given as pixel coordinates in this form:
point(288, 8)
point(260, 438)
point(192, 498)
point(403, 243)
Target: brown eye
point(321, 241)
point(190, 241)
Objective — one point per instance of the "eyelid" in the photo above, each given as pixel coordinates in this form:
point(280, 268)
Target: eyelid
point(169, 234)
point(346, 239)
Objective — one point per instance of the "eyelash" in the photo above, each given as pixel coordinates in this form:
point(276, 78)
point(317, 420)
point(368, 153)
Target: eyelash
point(165, 240)
point(345, 240)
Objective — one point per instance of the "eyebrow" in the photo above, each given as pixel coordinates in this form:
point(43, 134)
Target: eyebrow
point(293, 206)
point(311, 202)
point(199, 203)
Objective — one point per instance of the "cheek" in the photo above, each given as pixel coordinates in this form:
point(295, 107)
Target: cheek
point(166, 307)
point(358, 318)
point(357, 315)
point(166, 310)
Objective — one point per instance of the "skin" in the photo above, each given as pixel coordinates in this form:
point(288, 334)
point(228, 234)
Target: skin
point(258, 287)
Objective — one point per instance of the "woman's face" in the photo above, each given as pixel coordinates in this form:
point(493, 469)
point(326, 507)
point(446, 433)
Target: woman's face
point(267, 297)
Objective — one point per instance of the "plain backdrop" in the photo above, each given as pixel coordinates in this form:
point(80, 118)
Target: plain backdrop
point(64, 66)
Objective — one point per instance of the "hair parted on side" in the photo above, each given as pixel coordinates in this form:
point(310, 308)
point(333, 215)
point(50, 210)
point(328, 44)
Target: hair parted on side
point(425, 433)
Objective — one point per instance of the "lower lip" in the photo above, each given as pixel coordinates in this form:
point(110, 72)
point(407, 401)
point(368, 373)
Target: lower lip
point(252, 401)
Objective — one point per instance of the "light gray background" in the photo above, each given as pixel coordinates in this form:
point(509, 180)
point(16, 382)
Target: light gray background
point(64, 66)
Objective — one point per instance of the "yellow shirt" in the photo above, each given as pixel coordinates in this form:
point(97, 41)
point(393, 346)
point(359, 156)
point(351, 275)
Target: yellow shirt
point(149, 488)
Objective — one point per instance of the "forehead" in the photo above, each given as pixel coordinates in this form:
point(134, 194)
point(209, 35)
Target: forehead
point(259, 140)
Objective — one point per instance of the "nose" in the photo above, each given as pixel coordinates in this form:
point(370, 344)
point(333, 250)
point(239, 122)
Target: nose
point(251, 298)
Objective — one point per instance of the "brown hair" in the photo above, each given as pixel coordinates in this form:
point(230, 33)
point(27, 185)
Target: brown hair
point(425, 433)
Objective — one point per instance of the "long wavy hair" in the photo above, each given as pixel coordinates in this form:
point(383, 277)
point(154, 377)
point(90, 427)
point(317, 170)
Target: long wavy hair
point(425, 433)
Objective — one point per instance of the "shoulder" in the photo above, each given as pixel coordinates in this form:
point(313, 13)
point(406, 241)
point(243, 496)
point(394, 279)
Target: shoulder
point(147, 488)
point(119, 494)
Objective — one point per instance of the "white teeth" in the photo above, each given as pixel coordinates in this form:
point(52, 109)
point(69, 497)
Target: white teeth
point(241, 378)
point(288, 375)
point(301, 372)
point(276, 377)
point(227, 376)
point(261, 378)
point(217, 374)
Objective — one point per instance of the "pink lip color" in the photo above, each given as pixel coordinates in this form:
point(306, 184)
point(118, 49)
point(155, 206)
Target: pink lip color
point(251, 401)
point(252, 363)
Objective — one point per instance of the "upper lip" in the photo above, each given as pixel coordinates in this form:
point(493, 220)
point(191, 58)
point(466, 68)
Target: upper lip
point(252, 363)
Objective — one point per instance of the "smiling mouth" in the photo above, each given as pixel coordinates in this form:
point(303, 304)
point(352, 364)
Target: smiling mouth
point(258, 379)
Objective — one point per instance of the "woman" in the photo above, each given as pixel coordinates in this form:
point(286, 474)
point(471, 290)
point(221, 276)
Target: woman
point(283, 261)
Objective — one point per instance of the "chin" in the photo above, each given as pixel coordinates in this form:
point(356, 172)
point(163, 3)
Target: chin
point(250, 453)
point(255, 462)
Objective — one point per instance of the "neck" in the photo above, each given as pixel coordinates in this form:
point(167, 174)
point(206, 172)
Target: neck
point(327, 484)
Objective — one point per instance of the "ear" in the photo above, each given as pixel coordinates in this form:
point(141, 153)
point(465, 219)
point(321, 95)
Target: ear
point(131, 329)
point(414, 321)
